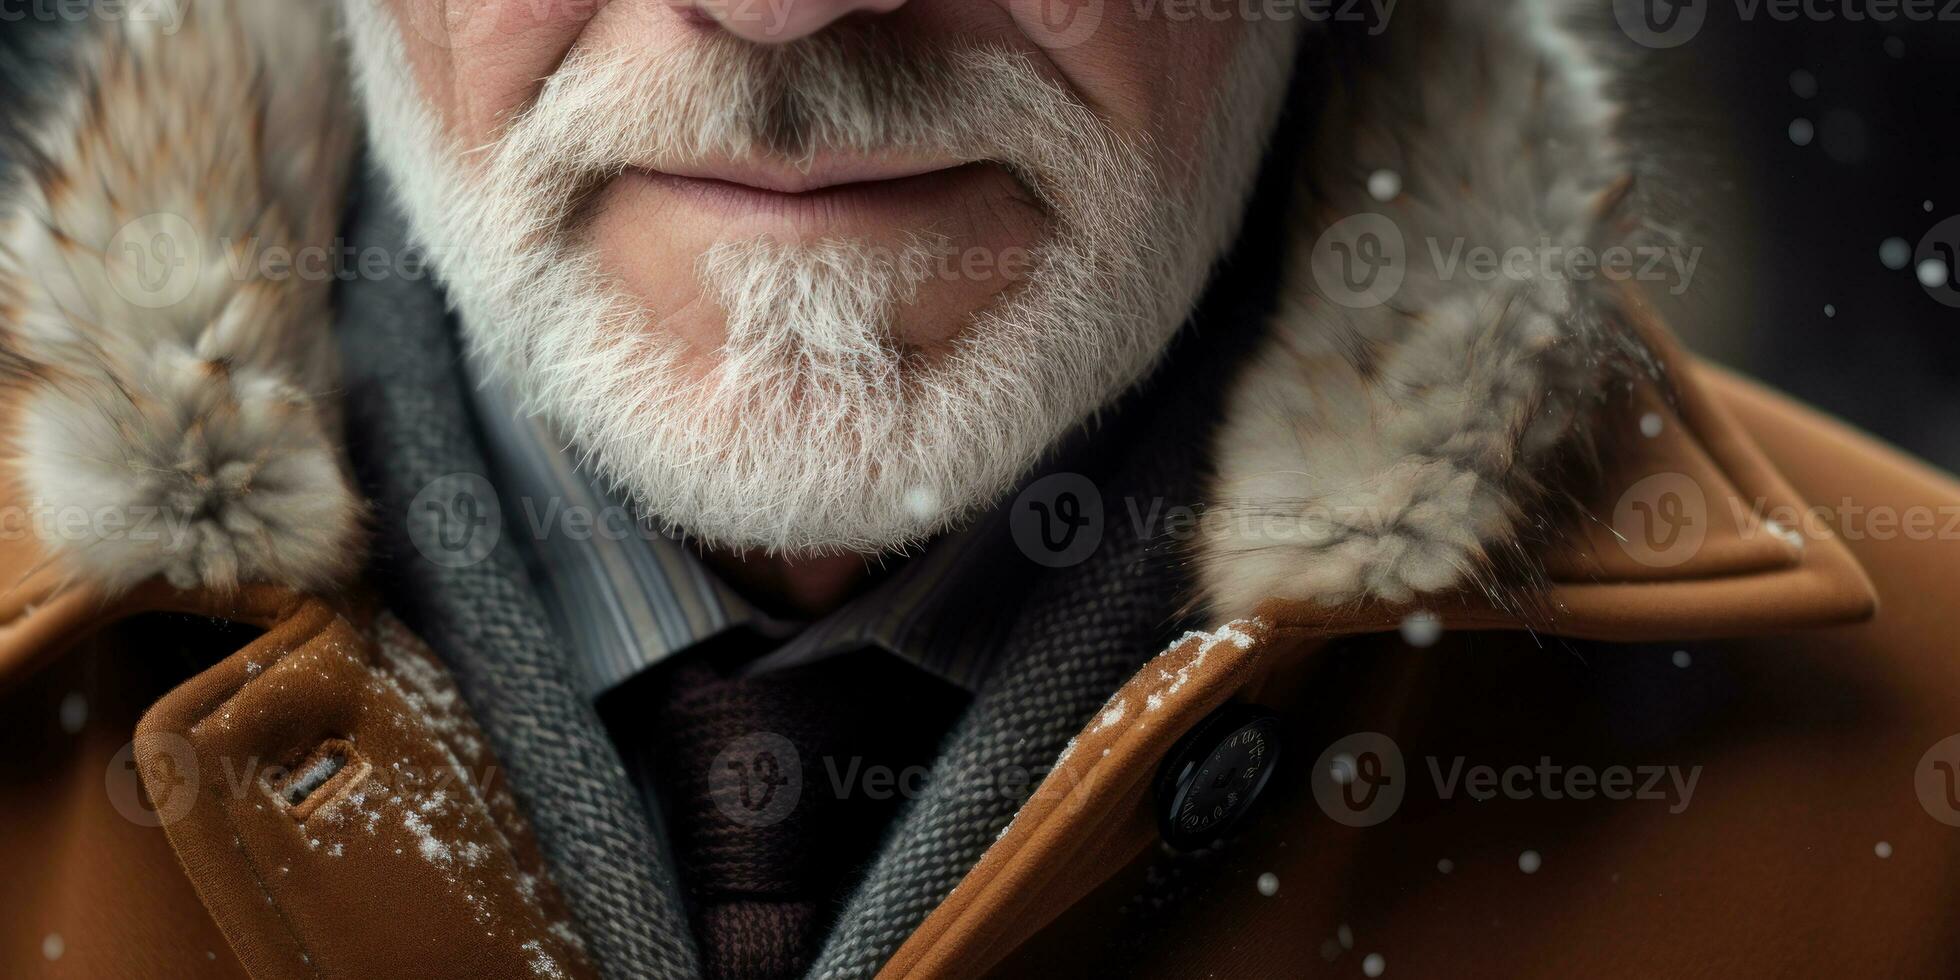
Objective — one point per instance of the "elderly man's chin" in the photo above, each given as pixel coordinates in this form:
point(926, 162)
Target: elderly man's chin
point(917, 245)
point(835, 296)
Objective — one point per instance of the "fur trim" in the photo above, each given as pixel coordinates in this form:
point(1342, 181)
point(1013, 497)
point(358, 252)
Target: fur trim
point(178, 399)
point(1391, 442)
point(170, 383)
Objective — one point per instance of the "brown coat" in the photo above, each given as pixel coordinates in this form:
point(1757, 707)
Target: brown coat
point(1817, 697)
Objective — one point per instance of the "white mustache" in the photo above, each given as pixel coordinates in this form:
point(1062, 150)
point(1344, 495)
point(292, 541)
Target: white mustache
point(723, 99)
point(812, 429)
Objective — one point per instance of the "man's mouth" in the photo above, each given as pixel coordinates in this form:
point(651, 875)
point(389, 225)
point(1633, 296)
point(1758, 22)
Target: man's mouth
point(826, 172)
point(835, 194)
point(980, 222)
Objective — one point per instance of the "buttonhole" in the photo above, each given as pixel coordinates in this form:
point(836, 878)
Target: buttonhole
point(304, 787)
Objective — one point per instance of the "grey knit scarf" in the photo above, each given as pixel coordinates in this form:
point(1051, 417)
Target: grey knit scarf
point(1085, 630)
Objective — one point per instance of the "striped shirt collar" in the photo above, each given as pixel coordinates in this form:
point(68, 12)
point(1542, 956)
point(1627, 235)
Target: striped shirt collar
point(627, 597)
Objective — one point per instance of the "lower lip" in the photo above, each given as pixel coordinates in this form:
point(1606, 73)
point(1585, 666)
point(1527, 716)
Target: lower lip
point(646, 229)
point(917, 202)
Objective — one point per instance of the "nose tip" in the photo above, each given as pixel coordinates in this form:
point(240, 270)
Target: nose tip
point(779, 21)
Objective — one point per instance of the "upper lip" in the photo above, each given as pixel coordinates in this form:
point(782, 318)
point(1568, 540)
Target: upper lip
point(824, 173)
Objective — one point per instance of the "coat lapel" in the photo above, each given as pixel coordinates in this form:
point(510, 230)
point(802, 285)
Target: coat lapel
point(1087, 628)
point(409, 428)
point(339, 812)
point(1713, 568)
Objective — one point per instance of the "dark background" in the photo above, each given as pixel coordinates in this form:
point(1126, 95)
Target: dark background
point(1789, 229)
point(1785, 229)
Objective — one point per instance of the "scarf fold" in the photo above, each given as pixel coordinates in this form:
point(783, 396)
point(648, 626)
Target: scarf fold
point(1084, 630)
point(408, 426)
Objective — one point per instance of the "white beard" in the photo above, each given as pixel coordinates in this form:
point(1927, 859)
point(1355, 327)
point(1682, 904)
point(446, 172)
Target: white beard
point(815, 433)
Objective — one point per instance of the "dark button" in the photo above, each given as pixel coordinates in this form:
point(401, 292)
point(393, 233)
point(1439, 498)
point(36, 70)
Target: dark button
point(1214, 774)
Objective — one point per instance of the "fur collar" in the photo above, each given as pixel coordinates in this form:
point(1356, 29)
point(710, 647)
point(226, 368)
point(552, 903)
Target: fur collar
point(1409, 420)
point(166, 357)
point(1395, 436)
